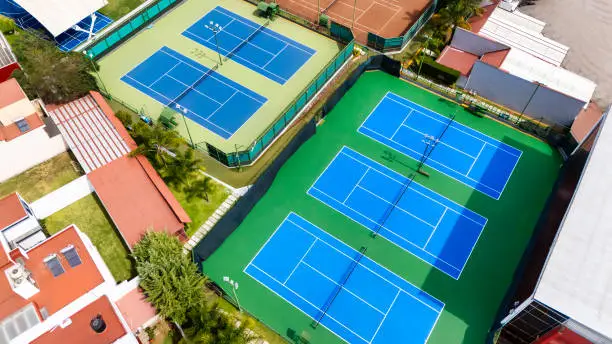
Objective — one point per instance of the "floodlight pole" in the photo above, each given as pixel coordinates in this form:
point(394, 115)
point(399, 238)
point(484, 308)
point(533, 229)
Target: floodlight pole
point(215, 28)
point(183, 112)
point(234, 286)
point(354, 9)
point(90, 58)
point(422, 58)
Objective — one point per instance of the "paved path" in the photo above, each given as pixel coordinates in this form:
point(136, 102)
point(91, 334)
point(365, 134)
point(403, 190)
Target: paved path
point(62, 197)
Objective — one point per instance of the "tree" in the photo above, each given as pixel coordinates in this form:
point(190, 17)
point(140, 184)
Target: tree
point(125, 118)
point(49, 73)
point(199, 188)
point(210, 325)
point(455, 13)
point(169, 279)
point(7, 25)
point(156, 143)
point(183, 168)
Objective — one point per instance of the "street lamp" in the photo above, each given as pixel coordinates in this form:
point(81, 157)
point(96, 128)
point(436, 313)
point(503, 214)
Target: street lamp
point(90, 58)
point(234, 285)
point(215, 28)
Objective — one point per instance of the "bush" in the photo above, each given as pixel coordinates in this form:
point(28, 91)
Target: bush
point(440, 73)
point(125, 118)
point(7, 25)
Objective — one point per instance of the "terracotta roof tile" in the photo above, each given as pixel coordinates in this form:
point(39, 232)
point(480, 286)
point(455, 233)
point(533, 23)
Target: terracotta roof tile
point(11, 210)
point(495, 58)
point(136, 310)
point(457, 59)
point(10, 92)
point(11, 132)
point(477, 22)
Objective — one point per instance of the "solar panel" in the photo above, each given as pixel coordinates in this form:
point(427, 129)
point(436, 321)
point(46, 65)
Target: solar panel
point(54, 265)
point(71, 256)
point(23, 125)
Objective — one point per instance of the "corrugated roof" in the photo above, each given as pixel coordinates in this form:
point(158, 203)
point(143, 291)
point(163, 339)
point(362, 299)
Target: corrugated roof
point(91, 135)
point(577, 276)
point(11, 210)
point(133, 200)
point(6, 54)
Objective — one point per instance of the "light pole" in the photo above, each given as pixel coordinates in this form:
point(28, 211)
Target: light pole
point(234, 285)
point(215, 28)
point(90, 58)
point(184, 111)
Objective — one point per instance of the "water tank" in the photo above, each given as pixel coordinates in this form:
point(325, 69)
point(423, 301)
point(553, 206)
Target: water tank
point(97, 324)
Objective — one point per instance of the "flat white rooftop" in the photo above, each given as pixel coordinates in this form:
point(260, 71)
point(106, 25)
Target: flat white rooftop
point(577, 278)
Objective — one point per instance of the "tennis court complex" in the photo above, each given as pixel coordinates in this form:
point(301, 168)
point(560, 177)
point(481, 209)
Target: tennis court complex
point(460, 152)
point(341, 288)
point(424, 223)
point(203, 95)
point(253, 45)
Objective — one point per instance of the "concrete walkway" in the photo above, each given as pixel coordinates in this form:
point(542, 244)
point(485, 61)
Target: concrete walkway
point(62, 197)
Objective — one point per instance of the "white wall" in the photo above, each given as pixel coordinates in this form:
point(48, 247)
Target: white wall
point(27, 151)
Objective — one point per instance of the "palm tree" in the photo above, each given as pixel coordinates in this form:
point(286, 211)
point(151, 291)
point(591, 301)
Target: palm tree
point(182, 168)
point(210, 325)
point(156, 143)
point(199, 188)
point(456, 13)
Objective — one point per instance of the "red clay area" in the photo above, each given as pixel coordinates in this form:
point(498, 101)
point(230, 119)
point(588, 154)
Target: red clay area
point(385, 18)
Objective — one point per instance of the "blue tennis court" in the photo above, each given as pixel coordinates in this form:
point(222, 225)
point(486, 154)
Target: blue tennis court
point(462, 153)
point(250, 44)
point(411, 216)
point(364, 302)
point(210, 99)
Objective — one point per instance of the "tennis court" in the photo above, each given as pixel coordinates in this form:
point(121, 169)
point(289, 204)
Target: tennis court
point(462, 153)
point(422, 222)
point(203, 95)
point(338, 287)
point(250, 44)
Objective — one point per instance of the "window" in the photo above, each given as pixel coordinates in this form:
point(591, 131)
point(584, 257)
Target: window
point(71, 256)
point(23, 125)
point(54, 265)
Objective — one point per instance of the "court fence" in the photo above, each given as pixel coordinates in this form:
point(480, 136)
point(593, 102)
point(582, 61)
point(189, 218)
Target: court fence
point(396, 44)
point(258, 146)
point(126, 27)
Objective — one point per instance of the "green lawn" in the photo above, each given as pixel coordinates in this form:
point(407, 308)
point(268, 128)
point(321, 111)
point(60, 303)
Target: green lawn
point(198, 209)
point(118, 8)
point(43, 178)
point(90, 217)
point(472, 301)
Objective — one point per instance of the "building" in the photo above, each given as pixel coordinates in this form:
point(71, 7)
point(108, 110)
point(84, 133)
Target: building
point(506, 58)
point(8, 61)
point(18, 225)
point(27, 138)
point(562, 292)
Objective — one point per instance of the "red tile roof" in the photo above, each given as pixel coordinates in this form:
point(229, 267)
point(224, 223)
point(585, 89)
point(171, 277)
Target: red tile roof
point(457, 59)
point(136, 310)
point(11, 132)
point(584, 122)
point(495, 58)
point(79, 331)
point(10, 92)
point(55, 292)
point(137, 199)
point(11, 210)
point(477, 22)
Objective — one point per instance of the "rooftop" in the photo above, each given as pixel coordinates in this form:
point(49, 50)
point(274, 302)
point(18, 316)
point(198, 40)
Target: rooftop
point(577, 276)
point(11, 210)
point(457, 59)
point(79, 329)
point(54, 292)
point(10, 92)
point(16, 129)
point(136, 310)
point(6, 55)
point(137, 199)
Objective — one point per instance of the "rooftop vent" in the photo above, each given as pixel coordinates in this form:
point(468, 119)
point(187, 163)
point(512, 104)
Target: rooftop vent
point(97, 324)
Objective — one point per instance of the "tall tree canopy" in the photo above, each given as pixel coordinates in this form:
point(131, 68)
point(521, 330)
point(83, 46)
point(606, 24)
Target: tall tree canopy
point(49, 73)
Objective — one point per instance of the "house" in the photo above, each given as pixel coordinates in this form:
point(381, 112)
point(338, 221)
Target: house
point(8, 61)
point(26, 139)
point(59, 291)
point(506, 58)
point(18, 225)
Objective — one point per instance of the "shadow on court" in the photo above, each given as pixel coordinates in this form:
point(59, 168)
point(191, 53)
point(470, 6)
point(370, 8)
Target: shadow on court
point(489, 271)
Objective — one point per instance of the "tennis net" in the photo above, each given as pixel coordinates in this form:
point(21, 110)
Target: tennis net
point(393, 205)
point(246, 40)
point(193, 86)
point(339, 287)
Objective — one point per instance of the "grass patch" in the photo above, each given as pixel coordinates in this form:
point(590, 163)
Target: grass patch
point(118, 8)
point(90, 217)
point(43, 178)
point(198, 209)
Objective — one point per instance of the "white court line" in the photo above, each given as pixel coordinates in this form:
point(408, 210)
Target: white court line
point(403, 123)
point(285, 40)
point(475, 159)
point(343, 288)
point(275, 56)
point(355, 186)
point(301, 260)
point(436, 228)
point(454, 122)
point(402, 183)
point(165, 73)
point(388, 230)
point(191, 88)
point(439, 140)
point(222, 105)
point(385, 317)
point(360, 264)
